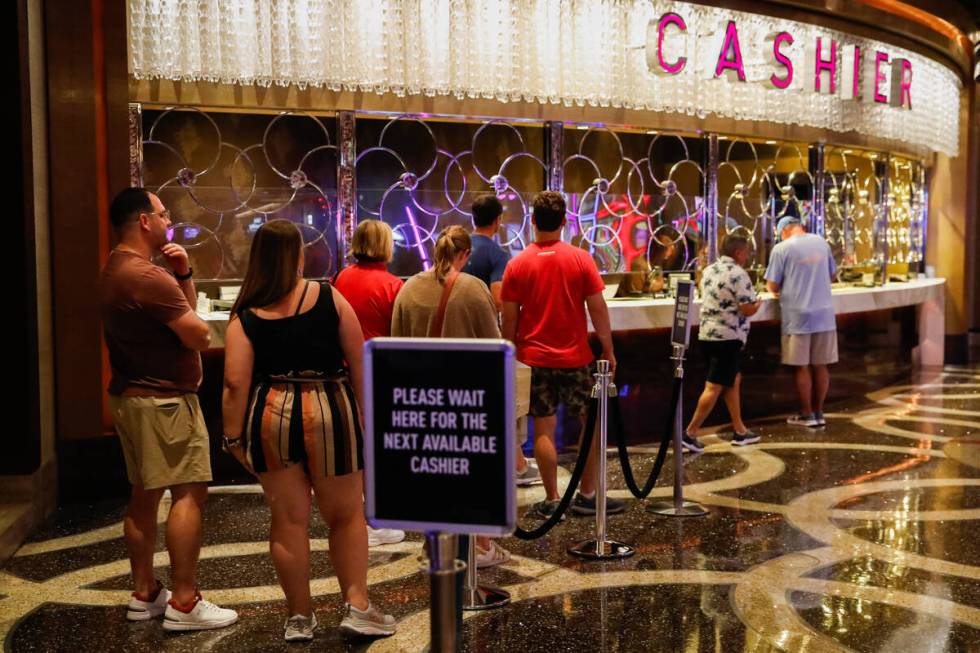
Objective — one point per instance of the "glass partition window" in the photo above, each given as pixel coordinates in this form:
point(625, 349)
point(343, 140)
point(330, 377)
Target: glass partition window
point(222, 175)
point(875, 211)
point(760, 182)
point(855, 182)
point(422, 176)
point(635, 197)
point(906, 188)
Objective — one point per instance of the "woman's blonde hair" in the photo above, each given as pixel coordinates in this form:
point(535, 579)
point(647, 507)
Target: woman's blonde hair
point(452, 241)
point(373, 242)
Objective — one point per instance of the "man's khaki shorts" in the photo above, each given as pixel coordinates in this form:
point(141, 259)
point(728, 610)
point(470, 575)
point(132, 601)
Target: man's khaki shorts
point(810, 348)
point(164, 440)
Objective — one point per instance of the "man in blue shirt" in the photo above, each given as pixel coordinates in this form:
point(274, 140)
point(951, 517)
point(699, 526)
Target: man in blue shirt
point(800, 271)
point(487, 259)
point(487, 262)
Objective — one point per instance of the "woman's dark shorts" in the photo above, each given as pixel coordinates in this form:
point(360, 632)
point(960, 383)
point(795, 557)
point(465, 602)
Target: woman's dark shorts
point(724, 360)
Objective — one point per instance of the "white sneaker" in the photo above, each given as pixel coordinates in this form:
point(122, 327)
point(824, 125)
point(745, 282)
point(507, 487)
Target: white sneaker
point(137, 610)
point(495, 555)
point(530, 476)
point(204, 616)
point(370, 622)
point(803, 420)
point(299, 628)
point(379, 536)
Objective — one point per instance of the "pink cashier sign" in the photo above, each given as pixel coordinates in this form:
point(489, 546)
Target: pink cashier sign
point(823, 65)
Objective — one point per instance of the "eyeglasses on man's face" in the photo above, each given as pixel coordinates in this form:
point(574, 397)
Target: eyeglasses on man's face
point(165, 214)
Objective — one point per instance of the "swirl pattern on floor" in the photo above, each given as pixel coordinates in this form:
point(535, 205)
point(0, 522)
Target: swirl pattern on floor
point(860, 536)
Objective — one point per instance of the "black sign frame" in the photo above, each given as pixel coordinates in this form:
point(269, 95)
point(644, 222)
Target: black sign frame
point(680, 333)
point(503, 503)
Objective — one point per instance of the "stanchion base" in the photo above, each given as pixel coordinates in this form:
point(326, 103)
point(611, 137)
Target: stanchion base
point(605, 550)
point(687, 509)
point(485, 597)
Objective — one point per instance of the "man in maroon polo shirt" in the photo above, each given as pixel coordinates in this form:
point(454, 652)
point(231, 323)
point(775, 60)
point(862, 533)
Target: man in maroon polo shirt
point(153, 337)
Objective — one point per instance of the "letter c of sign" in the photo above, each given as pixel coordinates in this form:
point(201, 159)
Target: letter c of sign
point(669, 19)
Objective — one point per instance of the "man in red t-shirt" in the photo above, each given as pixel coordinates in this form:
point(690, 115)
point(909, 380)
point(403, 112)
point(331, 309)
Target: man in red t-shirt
point(546, 290)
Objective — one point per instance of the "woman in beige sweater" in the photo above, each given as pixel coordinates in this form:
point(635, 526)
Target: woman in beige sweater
point(470, 313)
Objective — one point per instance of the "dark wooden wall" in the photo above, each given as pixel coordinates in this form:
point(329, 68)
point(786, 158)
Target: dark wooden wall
point(88, 146)
point(22, 450)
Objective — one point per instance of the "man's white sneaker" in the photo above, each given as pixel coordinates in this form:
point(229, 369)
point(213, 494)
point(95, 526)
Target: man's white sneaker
point(137, 610)
point(204, 616)
point(379, 536)
point(369, 622)
point(299, 628)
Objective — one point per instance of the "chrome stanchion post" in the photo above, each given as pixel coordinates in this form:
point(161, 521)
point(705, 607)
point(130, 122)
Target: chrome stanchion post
point(476, 596)
point(601, 547)
point(602, 379)
point(678, 507)
point(678, 500)
point(679, 433)
point(443, 567)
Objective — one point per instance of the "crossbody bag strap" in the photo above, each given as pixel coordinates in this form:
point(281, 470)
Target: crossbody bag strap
point(436, 330)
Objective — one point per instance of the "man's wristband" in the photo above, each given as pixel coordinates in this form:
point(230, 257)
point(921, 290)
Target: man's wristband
point(185, 277)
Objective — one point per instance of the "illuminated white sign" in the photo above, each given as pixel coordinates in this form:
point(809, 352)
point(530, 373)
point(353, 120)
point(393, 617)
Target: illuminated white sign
point(659, 56)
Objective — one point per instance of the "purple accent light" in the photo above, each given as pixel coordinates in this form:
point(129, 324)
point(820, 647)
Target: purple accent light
point(426, 263)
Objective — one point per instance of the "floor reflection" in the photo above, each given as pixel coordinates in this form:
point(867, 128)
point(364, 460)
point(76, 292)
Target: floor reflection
point(874, 627)
point(860, 536)
point(614, 620)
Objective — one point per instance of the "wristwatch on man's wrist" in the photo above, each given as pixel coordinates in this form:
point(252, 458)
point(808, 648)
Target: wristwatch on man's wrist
point(228, 443)
point(185, 277)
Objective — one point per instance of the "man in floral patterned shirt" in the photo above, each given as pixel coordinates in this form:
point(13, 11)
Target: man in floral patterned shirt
point(727, 302)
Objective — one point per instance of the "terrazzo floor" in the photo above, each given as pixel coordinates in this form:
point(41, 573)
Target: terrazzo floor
point(860, 536)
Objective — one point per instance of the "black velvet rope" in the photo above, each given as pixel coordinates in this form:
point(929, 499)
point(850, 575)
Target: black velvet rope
point(624, 458)
point(583, 455)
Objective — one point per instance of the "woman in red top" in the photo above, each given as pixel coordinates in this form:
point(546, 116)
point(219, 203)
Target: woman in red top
point(367, 284)
point(370, 289)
